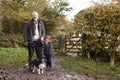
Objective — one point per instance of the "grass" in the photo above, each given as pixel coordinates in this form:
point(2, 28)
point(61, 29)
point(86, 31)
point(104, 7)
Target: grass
point(13, 56)
point(91, 68)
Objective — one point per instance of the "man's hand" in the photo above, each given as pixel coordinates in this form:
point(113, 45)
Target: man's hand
point(42, 38)
point(26, 43)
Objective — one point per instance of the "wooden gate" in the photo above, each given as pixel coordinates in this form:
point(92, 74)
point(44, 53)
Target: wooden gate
point(67, 44)
point(73, 44)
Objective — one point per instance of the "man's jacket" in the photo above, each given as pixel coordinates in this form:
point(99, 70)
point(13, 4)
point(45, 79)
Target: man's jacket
point(28, 32)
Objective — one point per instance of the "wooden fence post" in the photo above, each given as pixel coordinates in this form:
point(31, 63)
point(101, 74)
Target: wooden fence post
point(61, 44)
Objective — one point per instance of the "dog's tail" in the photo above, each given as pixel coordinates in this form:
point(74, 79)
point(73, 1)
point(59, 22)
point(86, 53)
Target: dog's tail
point(26, 65)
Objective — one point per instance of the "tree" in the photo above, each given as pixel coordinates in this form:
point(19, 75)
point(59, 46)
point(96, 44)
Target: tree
point(102, 22)
point(61, 6)
point(54, 15)
point(16, 12)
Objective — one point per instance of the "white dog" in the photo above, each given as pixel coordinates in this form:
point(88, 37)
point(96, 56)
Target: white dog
point(39, 66)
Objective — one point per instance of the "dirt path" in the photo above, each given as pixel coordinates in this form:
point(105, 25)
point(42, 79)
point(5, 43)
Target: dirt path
point(57, 73)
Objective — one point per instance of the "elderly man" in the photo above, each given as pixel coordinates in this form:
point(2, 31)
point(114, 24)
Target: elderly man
point(33, 35)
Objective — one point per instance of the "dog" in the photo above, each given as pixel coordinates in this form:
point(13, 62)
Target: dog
point(38, 65)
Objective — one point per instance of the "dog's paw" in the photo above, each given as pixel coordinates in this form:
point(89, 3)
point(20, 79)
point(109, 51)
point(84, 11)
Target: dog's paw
point(38, 72)
point(42, 72)
point(33, 71)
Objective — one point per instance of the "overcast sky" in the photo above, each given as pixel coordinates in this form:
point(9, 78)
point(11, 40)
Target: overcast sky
point(77, 6)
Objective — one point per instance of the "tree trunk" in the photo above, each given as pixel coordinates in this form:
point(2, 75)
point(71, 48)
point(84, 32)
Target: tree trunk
point(88, 55)
point(112, 60)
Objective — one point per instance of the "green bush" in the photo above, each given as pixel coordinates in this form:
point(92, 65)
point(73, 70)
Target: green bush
point(11, 40)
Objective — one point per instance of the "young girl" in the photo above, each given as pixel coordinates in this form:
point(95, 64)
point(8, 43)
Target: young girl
point(48, 52)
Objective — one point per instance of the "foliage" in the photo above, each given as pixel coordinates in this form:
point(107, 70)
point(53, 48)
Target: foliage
point(15, 13)
point(61, 6)
point(11, 26)
point(100, 70)
point(50, 19)
point(11, 40)
point(54, 16)
point(102, 24)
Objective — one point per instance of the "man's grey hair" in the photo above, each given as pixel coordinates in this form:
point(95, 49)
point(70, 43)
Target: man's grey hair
point(34, 13)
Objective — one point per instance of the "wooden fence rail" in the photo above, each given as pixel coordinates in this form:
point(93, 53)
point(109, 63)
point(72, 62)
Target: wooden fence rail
point(55, 44)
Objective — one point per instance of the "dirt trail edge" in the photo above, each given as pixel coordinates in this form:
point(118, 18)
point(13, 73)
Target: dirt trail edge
point(57, 73)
